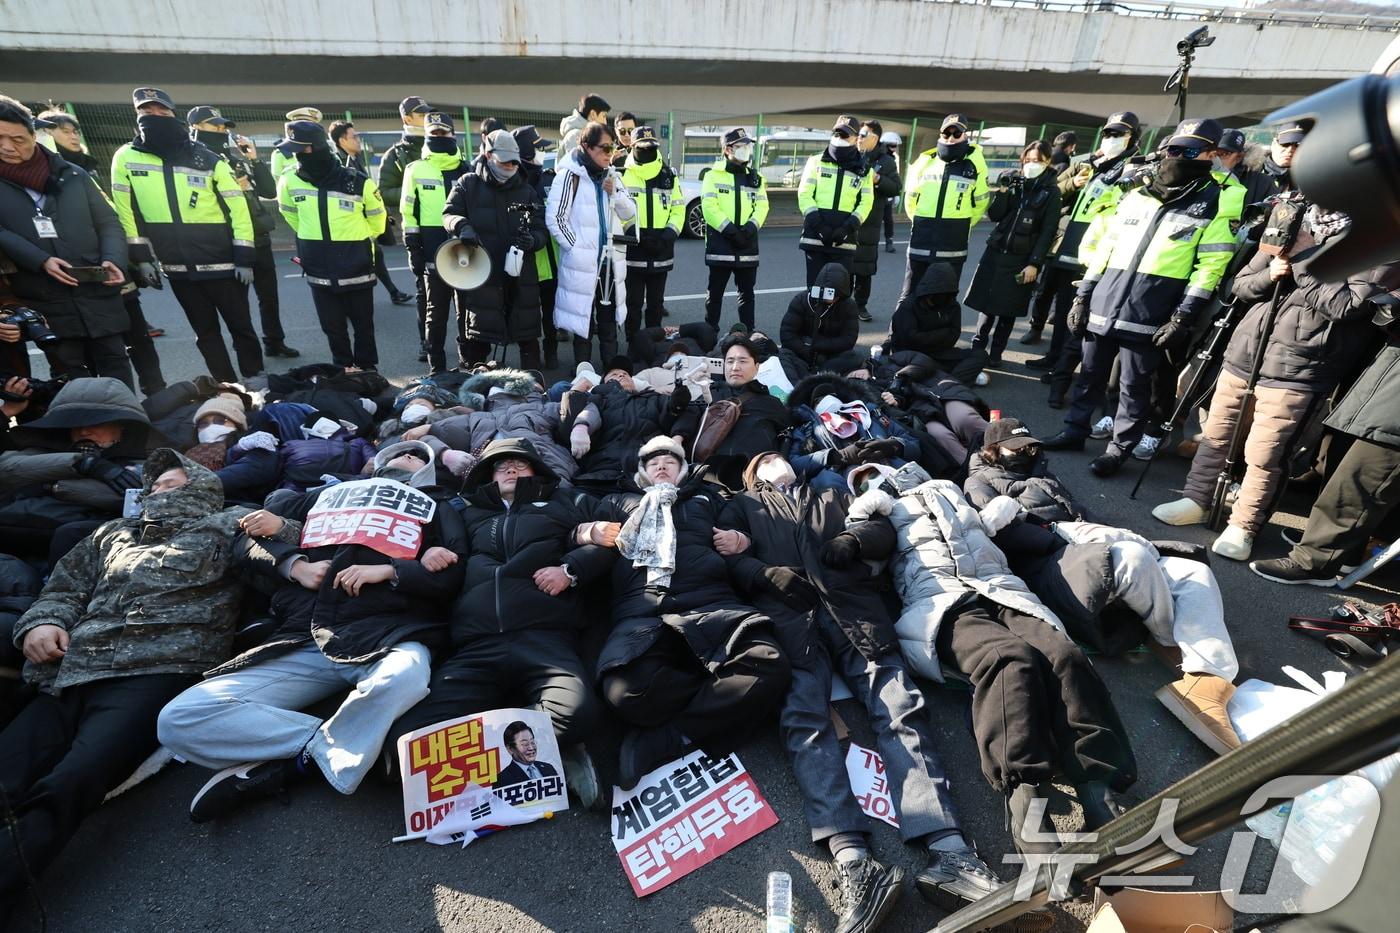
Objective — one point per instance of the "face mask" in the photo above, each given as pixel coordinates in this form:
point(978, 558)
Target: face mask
point(500, 172)
point(1033, 169)
point(841, 142)
point(742, 152)
point(644, 155)
point(1114, 146)
point(1019, 462)
point(777, 471)
point(413, 130)
point(322, 428)
point(161, 133)
point(317, 163)
point(413, 414)
point(394, 473)
point(951, 152)
point(215, 141)
point(1217, 166)
point(1175, 172)
point(443, 145)
point(214, 432)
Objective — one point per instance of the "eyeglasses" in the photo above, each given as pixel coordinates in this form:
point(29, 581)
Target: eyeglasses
point(624, 131)
point(864, 134)
point(511, 466)
point(952, 132)
point(609, 148)
point(1184, 152)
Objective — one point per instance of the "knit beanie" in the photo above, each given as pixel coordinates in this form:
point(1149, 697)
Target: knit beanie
point(230, 406)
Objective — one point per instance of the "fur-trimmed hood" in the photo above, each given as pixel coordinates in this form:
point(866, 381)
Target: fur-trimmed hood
point(809, 390)
point(516, 382)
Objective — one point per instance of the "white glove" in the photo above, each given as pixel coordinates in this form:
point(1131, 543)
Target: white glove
point(1000, 512)
point(867, 505)
point(579, 441)
point(458, 462)
point(258, 440)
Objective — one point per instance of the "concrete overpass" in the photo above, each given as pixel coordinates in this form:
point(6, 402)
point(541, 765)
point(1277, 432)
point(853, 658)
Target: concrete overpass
point(1017, 61)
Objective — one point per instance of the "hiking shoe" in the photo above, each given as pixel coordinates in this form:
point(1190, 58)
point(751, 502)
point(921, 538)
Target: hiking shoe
point(1108, 462)
point(1146, 447)
point(863, 315)
point(953, 878)
point(1289, 571)
point(1103, 428)
point(1032, 336)
point(869, 891)
point(232, 787)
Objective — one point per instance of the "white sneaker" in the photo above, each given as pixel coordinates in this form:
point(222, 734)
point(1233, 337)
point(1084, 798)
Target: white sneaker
point(1103, 428)
point(1234, 544)
point(982, 379)
point(1179, 512)
point(1146, 448)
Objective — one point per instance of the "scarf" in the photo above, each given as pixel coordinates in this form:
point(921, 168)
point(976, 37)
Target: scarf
point(848, 157)
point(1325, 224)
point(166, 137)
point(648, 538)
point(33, 174)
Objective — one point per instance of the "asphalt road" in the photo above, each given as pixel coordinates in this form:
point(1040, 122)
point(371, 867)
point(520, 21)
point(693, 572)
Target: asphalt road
point(326, 862)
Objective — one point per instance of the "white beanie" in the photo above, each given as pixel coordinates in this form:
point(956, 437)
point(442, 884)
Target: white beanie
point(661, 444)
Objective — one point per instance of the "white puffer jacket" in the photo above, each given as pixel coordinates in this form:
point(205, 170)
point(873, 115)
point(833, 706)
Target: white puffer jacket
point(943, 554)
point(581, 218)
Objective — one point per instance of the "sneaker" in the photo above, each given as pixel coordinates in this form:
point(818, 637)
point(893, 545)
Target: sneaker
point(869, 891)
point(982, 379)
point(1179, 512)
point(1200, 701)
point(1234, 544)
point(580, 775)
point(232, 787)
point(889, 246)
point(1103, 428)
point(1064, 441)
point(1146, 447)
point(1289, 571)
point(863, 315)
point(952, 879)
point(1108, 462)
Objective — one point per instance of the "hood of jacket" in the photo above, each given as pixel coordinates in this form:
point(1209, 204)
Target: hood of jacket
point(513, 447)
point(834, 275)
point(811, 389)
point(84, 402)
point(201, 497)
point(515, 382)
point(423, 477)
point(939, 279)
point(282, 418)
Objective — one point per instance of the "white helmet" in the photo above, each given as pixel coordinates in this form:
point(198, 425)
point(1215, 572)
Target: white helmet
point(891, 138)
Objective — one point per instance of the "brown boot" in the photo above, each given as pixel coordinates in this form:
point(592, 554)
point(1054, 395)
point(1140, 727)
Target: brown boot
point(1199, 701)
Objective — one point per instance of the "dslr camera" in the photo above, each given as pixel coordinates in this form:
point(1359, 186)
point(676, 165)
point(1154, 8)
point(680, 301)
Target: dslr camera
point(31, 324)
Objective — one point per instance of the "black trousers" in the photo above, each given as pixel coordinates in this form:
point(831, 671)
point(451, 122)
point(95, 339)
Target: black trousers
point(62, 755)
point(381, 272)
point(1039, 709)
point(645, 288)
point(667, 685)
point(744, 279)
point(337, 312)
point(419, 267)
point(1357, 498)
point(265, 286)
point(889, 218)
point(90, 356)
point(603, 326)
point(914, 270)
point(1060, 338)
point(534, 669)
point(993, 328)
point(204, 302)
point(860, 291)
point(140, 347)
point(817, 258)
point(442, 300)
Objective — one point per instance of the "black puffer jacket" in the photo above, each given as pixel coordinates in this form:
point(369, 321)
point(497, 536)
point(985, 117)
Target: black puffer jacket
point(1371, 409)
point(1321, 329)
point(506, 308)
point(928, 320)
point(19, 587)
point(630, 419)
point(887, 185)
point(700, 604)
point(1026, 221)
point(762, 418)
point(789, 531)
point(816, 331)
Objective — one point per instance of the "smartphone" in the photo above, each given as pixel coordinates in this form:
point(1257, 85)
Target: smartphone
point(87, 273)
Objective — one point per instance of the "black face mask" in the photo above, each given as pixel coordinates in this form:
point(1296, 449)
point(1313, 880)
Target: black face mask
point(316, 164)
point(215, 141)
point(644, 155)
point(442, 145)
point(1173, 173)
point(1022, 461)
point(844, 155)
point(161, 135)
point(951, 152)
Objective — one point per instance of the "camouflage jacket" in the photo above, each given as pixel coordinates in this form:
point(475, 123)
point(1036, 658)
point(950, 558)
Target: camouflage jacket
point(151, 595)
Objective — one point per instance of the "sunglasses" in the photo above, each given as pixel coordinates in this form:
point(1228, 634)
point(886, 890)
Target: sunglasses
point(609, 148)
point(864, 134)
point(1184, 152)
point(952, 132)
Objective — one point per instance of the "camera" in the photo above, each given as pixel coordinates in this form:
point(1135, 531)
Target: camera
point(41, 391)
point(31, 324)
point(1198, 39)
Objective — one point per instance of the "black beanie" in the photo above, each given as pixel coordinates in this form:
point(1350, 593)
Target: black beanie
point(621, 362)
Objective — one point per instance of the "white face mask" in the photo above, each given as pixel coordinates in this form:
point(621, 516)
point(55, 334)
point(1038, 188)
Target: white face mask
point(742, 152)
point(214, 432)
point(1033, 169)
point(1114, 146)
point(415, 413)
point(777, 471)
point(841, 142)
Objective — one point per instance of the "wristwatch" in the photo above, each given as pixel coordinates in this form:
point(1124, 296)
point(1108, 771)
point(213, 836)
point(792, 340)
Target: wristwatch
point(573, 580)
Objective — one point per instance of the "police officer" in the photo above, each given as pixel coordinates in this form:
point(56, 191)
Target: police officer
point(885, 185)
point(1272, 177)
point(426, 184)
point(532, 148)
point(180, 204)
point(255, 177)
point(945, 194)
point(336, 213)
point(734, 200)
point(1161, 257)
point(281, 161)
point(835, 196)
point(412, 111)
point(652, 234)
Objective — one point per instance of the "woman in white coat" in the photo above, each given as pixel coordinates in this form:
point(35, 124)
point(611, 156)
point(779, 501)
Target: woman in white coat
point(587, 205)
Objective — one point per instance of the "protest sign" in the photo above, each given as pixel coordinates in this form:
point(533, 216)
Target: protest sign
point(866, 771)
point(511, 753)
point(382, 514)
point(684, 815)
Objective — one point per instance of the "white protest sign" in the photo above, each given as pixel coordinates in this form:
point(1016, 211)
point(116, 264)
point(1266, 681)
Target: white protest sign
point(866, 771)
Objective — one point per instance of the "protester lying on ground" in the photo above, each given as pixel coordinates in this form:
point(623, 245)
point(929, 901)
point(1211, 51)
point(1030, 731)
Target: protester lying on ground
point(630, 415)
point(422, 401)
point(310, 446)
point(838, 423)
point(358, 615)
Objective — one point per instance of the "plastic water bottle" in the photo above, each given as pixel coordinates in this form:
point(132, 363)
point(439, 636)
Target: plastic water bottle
point(779, 902)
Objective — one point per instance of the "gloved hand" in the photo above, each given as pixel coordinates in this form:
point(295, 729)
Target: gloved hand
point(1174, 334)
point(841, 551)
point(847, 229)
point(751, 233)
point(244, 275)
point(1078, 317)
point(524, 240)
point(739, 236)
point(146, 275)
point(669, 235)
point(117, 477)
point(1006, 177)
point(843, 457)
point(579, 441)
point(458, 462)
point(1000, 512)
point(827, 234)
point(880, 450)
point(791, 587)
point(468, 236)
point(258, 440)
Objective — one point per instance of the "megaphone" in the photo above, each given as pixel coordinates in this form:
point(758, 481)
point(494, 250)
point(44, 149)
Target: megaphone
point(462, 267)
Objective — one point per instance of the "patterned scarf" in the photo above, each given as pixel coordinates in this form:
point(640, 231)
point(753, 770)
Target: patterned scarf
point(648, 538)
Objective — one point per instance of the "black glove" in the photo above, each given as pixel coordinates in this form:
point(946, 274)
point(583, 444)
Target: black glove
point(751, 233)
point(1078, 318)
point(669, 235)
point(468, 236)
point(879, 450)
point(791, 587)
point(524, 240)
point(117, 477)
point(846, 456)
point(846, 230)
point(146, 275)
point(1174, 334)
point(827, 234)
point(739, 236)
point(841, 551)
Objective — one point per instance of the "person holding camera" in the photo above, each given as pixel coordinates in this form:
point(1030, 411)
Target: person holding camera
point(1026, 210)
point(494, 208)
point(69, 253)
point(652, 234)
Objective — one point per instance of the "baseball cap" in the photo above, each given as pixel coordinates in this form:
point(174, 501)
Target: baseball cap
point(847, 124)
point(1009, 433)
point(206, 114)
point(645, 136)
point(1232, 141)
point(300, 133)
point(304, 113)
point(953, 119)
point(1196, 132)
point(413, 105)
point(736, 135)
point(503, 146)
point(150, 95)
point(1290, 134)
point(1124, 120)
point(438, 120)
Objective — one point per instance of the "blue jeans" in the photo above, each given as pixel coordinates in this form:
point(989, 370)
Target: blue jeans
point(251, 715)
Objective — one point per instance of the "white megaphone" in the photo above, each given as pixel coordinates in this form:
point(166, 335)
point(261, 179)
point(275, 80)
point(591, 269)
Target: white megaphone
point(462, 267)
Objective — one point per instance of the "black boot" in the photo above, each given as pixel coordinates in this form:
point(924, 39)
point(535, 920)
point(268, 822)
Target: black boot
point(279, 348)
point(869, 891)
point(1063, 441)
point(1033, 336)
point(1100, 804)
